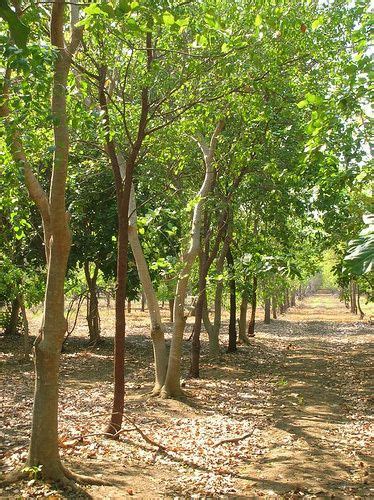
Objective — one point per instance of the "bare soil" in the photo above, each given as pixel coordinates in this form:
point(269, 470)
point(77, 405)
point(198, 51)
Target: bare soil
point(300, 392)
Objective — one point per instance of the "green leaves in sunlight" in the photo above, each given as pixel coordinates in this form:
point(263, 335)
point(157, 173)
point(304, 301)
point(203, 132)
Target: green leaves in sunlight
point(19, 31)
point(360, 255)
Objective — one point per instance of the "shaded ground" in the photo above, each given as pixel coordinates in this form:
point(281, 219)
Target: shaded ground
point(301, 390)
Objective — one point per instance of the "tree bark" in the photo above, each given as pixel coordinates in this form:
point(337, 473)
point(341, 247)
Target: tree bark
point(243, 319)
point(195, 347)
point(362, 314)
point(172, 382)
point(274, 306)
point(232, 285)
point(93, 317)
point(43, 449)
point(293, 298)
point(171, 310)
point(353, 297)
point(267, 306)
point(252, 320)
point(157, 331)
point(11, 327)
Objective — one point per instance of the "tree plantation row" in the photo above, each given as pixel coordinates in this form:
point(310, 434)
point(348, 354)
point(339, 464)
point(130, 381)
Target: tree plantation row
point(211, 155)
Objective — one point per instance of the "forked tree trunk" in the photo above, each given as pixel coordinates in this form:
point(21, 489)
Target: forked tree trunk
point(172, 381)
point(11, 327)
point(252, 320)
point(243, 319)
point(274, 306)
point(267, 307)
point(43, 449)
point(232, 285)
point(93, 317)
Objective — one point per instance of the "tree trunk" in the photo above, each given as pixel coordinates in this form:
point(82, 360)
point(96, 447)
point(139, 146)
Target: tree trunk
point(267, 311)
point(93, 318)
point(252, 320)
point(157, 332)
point(129, 306)
point(195, 348)
point(11, 327)
point(243, 319)
point(143, 301)
point(171, 310)
point(293, 298)
point(274, 306)
point(172, 381)
point(353, 297)
point(362, 314)
point(287, 299)
point(232, 285)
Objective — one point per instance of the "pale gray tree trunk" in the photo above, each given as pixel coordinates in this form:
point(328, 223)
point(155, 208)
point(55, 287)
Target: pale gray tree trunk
point(172, 387)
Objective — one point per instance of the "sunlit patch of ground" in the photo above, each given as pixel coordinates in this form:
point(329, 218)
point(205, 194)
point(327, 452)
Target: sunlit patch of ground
point(299, 393)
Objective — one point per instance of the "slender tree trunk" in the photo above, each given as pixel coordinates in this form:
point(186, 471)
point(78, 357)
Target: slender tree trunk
point(157, 332)
point(232, 285)
point(274, 306)
point(287, 299)
point(252, 320)
point(267, 311)
point(293, 298)
point(93, 318)
point(171, 310)
point(353, 297)
point(11, 327)
point(172, 381)
point(362, 314)
point(243, 319)
point(213, 329)
point(129, 306)
point(143, 301)
point(195, 349)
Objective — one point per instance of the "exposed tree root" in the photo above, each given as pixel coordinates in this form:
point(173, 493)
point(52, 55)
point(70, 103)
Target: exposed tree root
point(82, 479)
point(175, 394)
point(155, 391)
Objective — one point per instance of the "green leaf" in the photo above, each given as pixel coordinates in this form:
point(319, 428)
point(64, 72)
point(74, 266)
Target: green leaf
point(258, 20)
point(302, 104)
point(18, 30)
point(317, 22)
point(168, 19)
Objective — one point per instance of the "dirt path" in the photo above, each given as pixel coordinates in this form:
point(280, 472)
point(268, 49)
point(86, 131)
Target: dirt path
point(300, 392)
point(319, 437)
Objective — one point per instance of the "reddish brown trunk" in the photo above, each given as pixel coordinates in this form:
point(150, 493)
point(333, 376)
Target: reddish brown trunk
point(171, 310)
